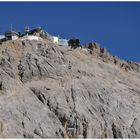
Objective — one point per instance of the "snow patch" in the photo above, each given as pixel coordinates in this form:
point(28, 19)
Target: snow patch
point(31, 37)
point(2, 36)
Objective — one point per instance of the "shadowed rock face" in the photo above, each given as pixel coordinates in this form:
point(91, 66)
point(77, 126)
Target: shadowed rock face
point(43, 86)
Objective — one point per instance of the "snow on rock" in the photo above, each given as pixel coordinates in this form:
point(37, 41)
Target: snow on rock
point(2, 36)
point(31, 37)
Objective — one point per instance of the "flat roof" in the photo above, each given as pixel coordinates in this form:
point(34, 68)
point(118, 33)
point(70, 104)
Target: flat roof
point(12, 33)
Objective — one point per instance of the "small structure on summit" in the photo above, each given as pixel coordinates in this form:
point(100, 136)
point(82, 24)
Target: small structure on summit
point(59, 41)
point(37, 33)
point(63, 42)
point(12, 35)
point(55, 39)
point(27, 30)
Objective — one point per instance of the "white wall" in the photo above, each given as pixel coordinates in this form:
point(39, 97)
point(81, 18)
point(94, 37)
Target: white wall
point(63, 42)
point(55, 39)
point(14, 37)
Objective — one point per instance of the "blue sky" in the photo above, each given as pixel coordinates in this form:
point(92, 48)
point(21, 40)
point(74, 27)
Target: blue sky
point(115, 26)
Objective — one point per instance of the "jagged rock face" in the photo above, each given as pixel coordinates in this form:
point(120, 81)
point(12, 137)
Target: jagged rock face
point(39, 32)
point(43, 86)
point(96, 50)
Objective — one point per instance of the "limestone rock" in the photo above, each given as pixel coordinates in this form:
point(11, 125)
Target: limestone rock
point(43, 85)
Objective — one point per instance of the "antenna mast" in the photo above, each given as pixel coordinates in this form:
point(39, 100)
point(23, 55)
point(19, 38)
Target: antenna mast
point(27, 30)
point(11, 28)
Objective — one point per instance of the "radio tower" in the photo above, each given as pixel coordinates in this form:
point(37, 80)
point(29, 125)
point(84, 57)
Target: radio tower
point(27, 30)
point(11, 28)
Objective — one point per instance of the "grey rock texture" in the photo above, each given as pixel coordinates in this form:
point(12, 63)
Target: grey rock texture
point(96, 50)
point(43, 86)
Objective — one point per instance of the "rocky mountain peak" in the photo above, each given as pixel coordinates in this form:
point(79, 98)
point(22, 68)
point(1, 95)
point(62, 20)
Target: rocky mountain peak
point(51, 91)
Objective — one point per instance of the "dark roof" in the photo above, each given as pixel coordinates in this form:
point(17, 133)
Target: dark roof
point(11, 33)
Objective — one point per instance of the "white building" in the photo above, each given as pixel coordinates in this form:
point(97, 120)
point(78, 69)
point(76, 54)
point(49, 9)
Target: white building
point(11, 35)
point(63, 42)
point(55, 39)
point(59, 41)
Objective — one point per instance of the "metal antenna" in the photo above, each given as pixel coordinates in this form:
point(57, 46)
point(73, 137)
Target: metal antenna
point(27, 30)
point(11, 28)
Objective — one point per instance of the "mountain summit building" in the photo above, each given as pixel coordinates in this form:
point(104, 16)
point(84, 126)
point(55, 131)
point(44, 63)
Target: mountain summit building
point(39, 32)
point(12, 35)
